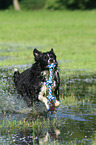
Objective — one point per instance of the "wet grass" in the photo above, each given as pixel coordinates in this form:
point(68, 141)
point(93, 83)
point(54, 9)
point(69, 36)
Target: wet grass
point(19, 126)
point(77, 97)
point(33, 127)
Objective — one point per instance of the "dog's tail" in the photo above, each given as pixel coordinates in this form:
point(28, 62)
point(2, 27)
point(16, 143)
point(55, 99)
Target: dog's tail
point(16, 76)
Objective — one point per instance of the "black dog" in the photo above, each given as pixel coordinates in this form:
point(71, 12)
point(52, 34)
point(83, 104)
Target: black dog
point(31, 83)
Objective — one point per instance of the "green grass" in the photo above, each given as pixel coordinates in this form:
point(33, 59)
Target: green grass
point(95, 139)
point(12, 127)
point(72, 34)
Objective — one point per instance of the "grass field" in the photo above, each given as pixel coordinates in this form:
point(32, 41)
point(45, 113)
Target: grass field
point(72, 34)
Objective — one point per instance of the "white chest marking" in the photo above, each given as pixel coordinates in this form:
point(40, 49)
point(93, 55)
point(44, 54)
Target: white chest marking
point(44, 89)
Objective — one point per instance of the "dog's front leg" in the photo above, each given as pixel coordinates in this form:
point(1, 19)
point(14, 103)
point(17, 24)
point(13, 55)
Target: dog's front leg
point(43, 92)
point(56, 92)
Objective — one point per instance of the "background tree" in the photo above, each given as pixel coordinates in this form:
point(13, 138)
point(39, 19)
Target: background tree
point(16, 5)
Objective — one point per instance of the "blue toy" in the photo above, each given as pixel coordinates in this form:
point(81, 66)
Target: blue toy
point(51, 99)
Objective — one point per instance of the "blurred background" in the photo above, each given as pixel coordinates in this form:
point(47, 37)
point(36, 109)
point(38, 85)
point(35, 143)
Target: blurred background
point(48, 4)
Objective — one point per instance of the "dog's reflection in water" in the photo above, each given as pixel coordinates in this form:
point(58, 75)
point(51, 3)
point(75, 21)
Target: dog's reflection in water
point(50, 136)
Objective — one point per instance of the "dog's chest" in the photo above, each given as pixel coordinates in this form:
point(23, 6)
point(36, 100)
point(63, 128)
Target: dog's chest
point(44, 87)
point(45, 74)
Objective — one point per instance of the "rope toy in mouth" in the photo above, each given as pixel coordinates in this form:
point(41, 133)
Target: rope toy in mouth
point(51, 99)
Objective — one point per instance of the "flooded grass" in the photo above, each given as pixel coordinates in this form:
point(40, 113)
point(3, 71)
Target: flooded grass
point(74, 121)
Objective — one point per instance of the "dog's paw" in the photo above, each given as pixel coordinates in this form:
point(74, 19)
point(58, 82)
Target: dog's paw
point(57, 103)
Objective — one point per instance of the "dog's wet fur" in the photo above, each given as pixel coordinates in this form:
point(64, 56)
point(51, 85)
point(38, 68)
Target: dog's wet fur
point(31, 83)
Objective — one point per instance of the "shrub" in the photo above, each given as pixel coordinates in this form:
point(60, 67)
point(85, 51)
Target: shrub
point(70, 4)
point(53, 4)
point(32, 4)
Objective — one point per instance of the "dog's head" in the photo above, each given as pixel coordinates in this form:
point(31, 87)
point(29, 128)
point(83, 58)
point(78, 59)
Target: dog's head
point(45, 58)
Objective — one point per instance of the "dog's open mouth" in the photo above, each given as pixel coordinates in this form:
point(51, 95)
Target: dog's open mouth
point(47, 66)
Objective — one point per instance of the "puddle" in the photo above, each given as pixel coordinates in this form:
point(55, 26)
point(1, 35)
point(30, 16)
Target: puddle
point(73, 124)
point(5, 58)
point(17, 47)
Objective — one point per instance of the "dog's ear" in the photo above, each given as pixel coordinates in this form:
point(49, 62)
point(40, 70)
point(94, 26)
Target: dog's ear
point(52, 51)
point(36, 53)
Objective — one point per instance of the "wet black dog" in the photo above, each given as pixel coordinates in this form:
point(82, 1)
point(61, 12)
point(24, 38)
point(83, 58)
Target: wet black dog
point(31, 83)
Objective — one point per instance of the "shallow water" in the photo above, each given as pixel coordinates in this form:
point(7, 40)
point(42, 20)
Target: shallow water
point(76, 123)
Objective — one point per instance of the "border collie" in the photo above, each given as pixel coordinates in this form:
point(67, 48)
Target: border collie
point(31, 83)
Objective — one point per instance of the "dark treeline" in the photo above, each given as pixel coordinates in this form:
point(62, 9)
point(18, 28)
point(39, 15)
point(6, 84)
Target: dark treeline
point(51, 4)
point(4, 4)
point(70, 4)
